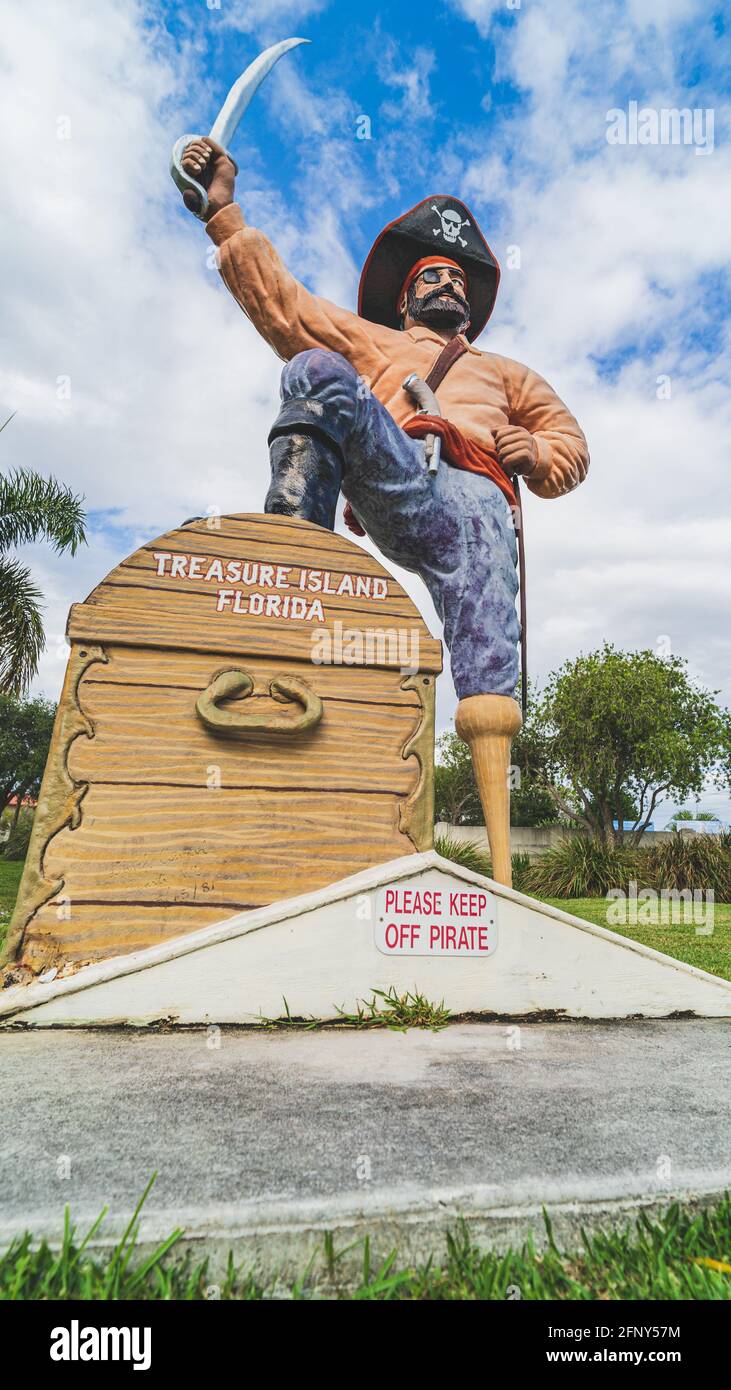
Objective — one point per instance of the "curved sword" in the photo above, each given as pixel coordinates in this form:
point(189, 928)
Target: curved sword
point(228, 118)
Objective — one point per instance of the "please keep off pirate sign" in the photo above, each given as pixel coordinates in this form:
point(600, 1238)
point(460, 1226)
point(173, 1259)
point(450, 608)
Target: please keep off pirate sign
point(413, 919)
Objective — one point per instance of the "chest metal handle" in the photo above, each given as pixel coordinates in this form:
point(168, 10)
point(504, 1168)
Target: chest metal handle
point(286, 689)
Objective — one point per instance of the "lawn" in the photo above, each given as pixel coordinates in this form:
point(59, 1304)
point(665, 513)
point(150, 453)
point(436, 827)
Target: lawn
point(682, 1255)
point(712, 953)
point(10, 874)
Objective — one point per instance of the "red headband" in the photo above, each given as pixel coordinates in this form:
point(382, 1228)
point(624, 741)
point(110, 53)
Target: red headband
point(421, 265)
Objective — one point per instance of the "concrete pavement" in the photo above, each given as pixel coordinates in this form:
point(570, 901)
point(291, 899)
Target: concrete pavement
point(263, 1140)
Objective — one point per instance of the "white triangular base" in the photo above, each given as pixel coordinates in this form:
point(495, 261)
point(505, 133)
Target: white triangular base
point(319, 952)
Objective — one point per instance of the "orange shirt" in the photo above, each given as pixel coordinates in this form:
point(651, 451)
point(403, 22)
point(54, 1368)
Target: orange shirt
point(481, 391)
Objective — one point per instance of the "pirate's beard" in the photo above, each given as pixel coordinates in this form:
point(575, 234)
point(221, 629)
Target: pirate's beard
point(440, 309)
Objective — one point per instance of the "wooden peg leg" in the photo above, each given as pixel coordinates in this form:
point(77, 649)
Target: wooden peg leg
point(488, 723)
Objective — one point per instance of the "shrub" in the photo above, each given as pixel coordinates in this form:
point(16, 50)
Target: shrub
point(463, 852)
point(698, 863)
point(521, 872)
point(580, 867)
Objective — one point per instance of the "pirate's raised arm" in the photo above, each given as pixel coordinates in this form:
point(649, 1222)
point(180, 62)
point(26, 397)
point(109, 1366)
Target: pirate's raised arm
point(287, 315)
point(562, 453)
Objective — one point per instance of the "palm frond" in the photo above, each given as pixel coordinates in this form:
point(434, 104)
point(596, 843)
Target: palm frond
point(21, 627)
point(34, 508)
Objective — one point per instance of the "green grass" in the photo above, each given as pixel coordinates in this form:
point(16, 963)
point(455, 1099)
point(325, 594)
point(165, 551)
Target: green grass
point(10, 875)
point(712, 953)
point(671, 1257)
point(395, 1011)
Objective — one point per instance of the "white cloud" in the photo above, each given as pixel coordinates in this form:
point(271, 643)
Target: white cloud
point(663, 14)
point(482, 12)
point(252, 16)
point(410, 78)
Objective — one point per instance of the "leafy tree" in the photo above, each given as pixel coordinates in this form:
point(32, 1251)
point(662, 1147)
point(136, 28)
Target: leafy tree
point(25, 734)
point(630, 725)
point(532, 804)
point(531, 799)
point(693, 815)
point(629, 808)
point(32, 508)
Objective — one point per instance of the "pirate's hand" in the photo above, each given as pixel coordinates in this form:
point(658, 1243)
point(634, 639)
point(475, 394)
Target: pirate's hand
point(207, 162)
point(516, 449)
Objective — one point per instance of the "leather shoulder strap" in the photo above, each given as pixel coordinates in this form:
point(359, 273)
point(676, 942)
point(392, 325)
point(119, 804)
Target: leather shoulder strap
point(446, 359)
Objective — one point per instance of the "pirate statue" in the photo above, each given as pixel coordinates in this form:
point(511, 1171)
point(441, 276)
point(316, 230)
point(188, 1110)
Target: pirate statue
point(434, 487)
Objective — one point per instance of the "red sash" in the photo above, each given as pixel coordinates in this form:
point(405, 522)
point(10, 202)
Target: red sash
point(457, 450)
point(460, 451)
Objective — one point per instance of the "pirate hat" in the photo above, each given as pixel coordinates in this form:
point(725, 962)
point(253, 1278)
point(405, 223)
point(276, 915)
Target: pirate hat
point(436, 226)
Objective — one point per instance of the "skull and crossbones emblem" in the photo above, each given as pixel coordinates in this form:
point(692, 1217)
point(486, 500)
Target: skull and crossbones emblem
point(451, 225)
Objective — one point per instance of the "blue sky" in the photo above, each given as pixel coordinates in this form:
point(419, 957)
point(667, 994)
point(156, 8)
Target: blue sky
point(438, 86)
point(623, 281)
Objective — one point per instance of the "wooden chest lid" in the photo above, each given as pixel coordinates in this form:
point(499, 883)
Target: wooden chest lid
point(252, 585)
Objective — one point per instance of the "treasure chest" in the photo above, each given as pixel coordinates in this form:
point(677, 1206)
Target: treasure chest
point(247, 715)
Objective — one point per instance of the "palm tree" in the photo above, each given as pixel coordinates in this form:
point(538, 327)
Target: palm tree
point(32, 508)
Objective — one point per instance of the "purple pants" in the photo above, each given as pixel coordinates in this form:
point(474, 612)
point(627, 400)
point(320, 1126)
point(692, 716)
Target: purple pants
point(454, 529)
